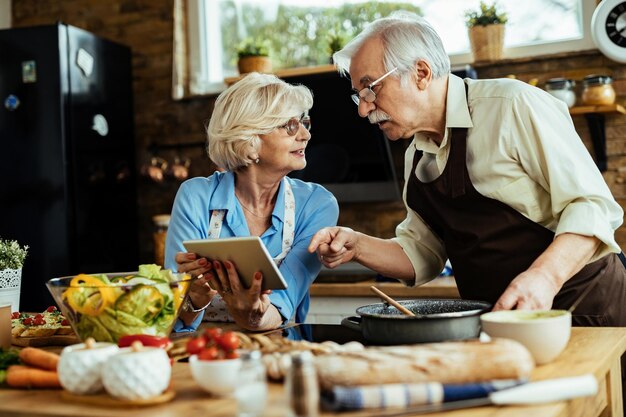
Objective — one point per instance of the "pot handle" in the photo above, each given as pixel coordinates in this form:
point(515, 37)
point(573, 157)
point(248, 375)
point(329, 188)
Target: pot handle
point(352, 322)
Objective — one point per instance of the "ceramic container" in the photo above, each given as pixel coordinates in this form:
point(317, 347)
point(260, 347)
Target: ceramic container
point(218, 377)
point(137, 375)
point(563, 89)
point(80, 367)
point(544, 333)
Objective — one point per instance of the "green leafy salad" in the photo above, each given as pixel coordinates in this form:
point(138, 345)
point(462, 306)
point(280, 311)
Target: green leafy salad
point(107, 307)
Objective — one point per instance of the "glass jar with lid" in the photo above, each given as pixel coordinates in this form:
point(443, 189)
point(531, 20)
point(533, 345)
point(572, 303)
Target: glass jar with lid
point(563, 89)
point(598, 90)
point(251, 389)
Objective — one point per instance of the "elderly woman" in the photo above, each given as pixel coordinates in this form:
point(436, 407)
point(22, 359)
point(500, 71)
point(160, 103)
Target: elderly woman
point(258, 133)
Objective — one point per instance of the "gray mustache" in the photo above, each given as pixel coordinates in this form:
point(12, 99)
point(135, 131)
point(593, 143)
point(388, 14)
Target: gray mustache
point(378, 116)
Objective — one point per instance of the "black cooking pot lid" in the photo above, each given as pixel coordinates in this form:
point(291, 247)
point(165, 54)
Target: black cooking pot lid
point(426, 309)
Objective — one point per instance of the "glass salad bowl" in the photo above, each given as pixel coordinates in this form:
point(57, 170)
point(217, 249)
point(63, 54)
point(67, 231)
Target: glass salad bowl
point(108, 306)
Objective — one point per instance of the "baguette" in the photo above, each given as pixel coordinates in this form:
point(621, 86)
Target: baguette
point(448, 362)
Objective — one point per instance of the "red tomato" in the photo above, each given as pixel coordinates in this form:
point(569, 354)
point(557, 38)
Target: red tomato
point(38, 316)
point(28, 321)
point(209, 354)
point(39, 321)
point(232, 355)
point(15, 315)
point(229, 341)
point(212, 334)
point(51, 309)
point(65, 322)
point(196, 345)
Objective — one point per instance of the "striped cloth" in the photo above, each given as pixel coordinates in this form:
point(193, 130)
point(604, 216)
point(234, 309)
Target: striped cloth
point(406, 395)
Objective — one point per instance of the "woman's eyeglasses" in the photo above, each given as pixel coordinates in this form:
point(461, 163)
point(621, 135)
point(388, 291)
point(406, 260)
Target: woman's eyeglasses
point(367, 94)
point(293, 125)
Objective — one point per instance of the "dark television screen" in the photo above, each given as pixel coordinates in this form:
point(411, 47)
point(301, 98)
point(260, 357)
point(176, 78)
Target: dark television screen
point(347, 155)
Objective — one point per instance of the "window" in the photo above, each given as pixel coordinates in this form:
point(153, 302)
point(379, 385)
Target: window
point(299, 30)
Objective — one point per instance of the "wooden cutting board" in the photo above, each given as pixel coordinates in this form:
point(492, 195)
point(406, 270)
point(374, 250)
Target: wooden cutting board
point(54, 340)
point(105, 400)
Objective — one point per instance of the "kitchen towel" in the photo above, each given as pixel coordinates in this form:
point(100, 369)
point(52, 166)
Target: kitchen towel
point(406, 395)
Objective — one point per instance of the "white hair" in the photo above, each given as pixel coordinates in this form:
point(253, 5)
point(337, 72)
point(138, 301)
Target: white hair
point(253, 106)
point(407, 38)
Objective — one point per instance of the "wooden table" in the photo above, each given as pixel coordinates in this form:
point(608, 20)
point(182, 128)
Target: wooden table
point(442, 287)
point(590, 350)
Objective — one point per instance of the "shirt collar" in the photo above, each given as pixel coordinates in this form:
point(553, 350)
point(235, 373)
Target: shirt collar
point(457, 115)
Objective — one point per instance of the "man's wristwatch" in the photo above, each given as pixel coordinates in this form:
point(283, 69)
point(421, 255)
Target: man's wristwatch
point(191, 309)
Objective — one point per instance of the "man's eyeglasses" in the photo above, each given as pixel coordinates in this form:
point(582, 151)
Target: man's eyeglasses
point(293, 125)
point(367, 94)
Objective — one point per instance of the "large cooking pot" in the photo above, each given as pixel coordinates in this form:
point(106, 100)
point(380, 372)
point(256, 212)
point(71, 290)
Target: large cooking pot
point(435, 320)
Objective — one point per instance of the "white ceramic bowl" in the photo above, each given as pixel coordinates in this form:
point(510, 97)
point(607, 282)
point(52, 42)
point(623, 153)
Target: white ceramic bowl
point(218, 377)
point(131, 375)
point(80, 368)
point(544, 333)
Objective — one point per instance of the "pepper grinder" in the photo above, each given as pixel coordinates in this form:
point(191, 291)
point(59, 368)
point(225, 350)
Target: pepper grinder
point(301, 386)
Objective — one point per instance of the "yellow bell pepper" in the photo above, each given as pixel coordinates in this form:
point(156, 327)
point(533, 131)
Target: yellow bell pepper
point(88, 295)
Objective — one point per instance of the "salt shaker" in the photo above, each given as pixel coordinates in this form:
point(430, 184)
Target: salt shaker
point(301, 386)
point(251, 389)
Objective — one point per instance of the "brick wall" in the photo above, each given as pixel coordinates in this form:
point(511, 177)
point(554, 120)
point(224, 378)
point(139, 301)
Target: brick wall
point(147, 27)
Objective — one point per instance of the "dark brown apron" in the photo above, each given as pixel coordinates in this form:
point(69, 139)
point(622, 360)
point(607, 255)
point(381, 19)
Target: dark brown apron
point(489, 243)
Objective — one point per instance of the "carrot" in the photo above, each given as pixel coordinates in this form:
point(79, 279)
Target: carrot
point(39, 358)
point(20, 376)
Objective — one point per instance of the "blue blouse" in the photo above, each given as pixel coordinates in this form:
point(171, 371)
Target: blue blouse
point(316, 208)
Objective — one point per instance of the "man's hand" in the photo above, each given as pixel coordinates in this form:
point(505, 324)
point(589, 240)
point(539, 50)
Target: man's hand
point(334, 245)
point(530, 290)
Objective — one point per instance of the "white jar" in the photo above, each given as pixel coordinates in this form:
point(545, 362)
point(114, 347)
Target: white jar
point(563, 89)
point(137, 374)
point(80, 366)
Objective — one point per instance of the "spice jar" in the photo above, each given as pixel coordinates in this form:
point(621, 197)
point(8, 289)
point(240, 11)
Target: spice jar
point(598, 90)
point(161, 223)
point(563, 89)
point(251, 389)
point(301, 386)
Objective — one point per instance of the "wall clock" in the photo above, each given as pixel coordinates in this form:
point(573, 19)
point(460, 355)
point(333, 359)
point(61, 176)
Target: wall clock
point(608, 29)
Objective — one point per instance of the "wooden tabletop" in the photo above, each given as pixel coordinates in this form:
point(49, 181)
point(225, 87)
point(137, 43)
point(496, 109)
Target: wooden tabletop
point(590, 350)
point(442, 287)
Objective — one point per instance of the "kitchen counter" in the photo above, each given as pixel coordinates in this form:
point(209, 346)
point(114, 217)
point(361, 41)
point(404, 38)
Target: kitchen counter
point(442, 287)
point(590, 350)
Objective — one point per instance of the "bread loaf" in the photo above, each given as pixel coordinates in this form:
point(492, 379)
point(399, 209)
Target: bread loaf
point(449, 362)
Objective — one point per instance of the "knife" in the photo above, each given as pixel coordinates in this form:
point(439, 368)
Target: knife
point(539, 392)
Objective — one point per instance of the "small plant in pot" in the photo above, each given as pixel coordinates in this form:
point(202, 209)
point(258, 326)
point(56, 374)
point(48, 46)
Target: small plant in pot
point(486, 32)
point(336, 40)
point(254, 55)
point(12, 257)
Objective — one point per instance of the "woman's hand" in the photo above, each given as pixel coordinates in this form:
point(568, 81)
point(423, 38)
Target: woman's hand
point(200, 292)
point(251, 308)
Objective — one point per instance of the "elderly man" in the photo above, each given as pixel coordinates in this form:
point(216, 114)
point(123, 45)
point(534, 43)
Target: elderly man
point(497, 180)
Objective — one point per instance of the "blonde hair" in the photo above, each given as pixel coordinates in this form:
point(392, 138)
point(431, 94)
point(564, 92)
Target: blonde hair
point(253, 106)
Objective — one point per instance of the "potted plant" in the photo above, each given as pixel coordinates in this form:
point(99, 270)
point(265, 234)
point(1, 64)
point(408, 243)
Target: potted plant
point(486, 32)
point(253, 55)
point(12, 257)
point(335, 41)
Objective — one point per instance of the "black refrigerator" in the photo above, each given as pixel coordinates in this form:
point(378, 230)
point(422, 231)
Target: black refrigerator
point(68, 184)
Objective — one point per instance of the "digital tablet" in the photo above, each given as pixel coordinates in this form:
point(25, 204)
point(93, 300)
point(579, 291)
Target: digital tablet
point(247, 253)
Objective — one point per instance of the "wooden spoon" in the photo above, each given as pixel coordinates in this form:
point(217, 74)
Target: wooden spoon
point(391, 301)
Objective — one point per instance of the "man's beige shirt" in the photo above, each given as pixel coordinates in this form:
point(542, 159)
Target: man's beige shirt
point(522, 150)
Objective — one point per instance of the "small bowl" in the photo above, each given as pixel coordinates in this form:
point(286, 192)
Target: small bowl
point(80, 367)
point(218, 377)
point(544, 333)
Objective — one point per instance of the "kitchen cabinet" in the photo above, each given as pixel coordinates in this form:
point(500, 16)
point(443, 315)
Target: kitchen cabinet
point(590, 350)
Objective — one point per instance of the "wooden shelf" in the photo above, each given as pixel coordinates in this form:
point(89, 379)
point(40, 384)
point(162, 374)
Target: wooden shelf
point(291, 72)
point(595, 121)
point(613, 108)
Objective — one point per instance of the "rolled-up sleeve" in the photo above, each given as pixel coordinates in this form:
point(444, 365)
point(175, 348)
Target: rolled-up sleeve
point(557, 159)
